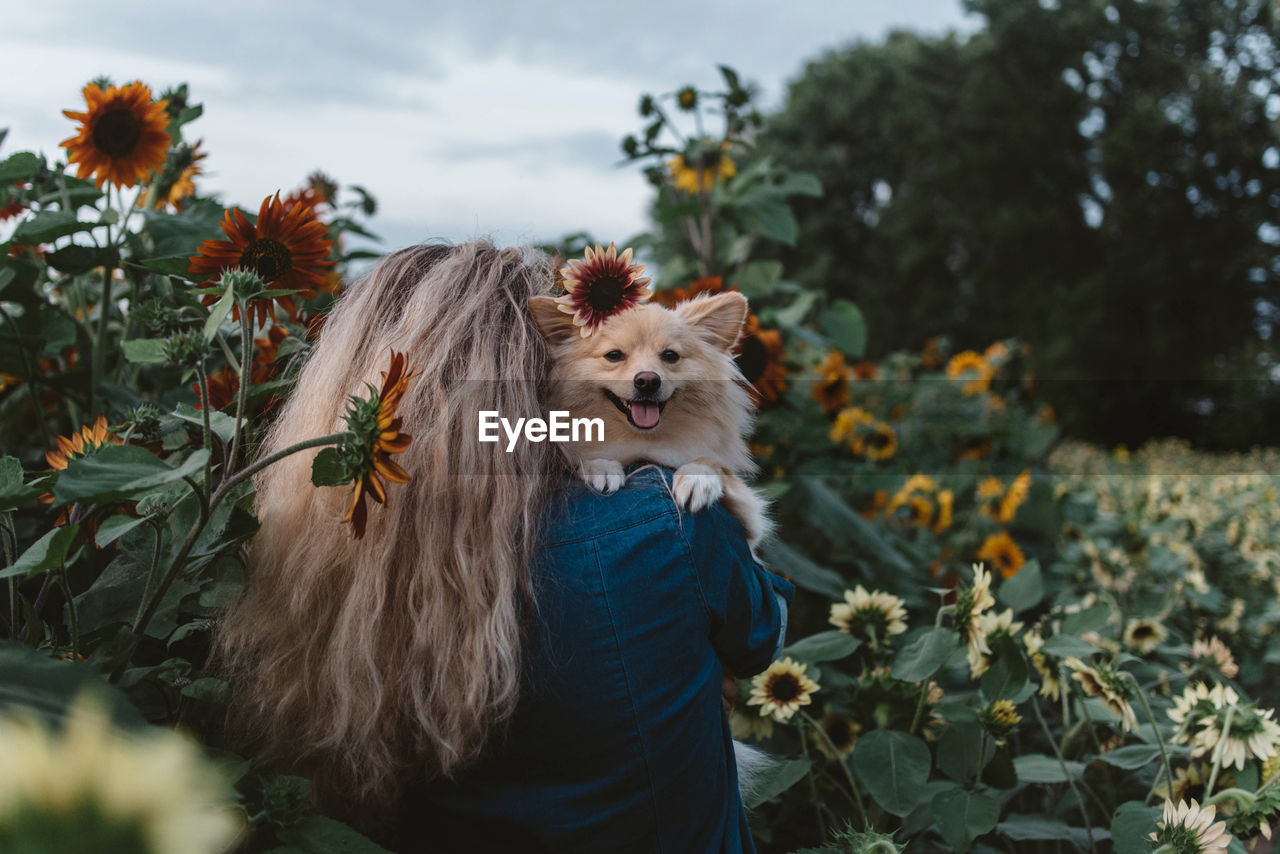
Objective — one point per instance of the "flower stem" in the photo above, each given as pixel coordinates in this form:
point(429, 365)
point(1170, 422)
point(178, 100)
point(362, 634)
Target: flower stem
point(246, 365)
point(1062, 763)
point(844, 766)
point(1155, 727)
point(203, 378)
point(72, 610)
point(813, 786)
point(151, 574)
point(1217, 754)
point(9, 545)
point(100, 342)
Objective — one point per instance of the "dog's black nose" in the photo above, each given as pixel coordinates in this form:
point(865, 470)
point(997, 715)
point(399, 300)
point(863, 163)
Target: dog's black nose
point(647, 382)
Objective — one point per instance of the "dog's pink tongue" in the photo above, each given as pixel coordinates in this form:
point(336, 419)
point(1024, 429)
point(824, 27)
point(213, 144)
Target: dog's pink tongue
point(644, 414)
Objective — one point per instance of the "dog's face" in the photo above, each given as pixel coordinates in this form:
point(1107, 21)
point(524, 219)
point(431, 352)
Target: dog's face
point(648, 369)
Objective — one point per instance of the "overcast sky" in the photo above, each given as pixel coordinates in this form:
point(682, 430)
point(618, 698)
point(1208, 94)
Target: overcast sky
point(474, 118)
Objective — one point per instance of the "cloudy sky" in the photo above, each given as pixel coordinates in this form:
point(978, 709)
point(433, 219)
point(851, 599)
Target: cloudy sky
point(473, 118)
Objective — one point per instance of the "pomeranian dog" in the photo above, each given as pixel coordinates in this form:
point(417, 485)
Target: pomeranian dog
point(666, 386)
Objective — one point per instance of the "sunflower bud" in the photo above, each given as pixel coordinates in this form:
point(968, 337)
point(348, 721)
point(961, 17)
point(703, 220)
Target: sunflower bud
point(143, 422)
point(286, 800)
point(687, 98)
point(245, 284)
point(186, 349)
point(646, 105)
point(630, 145)
point(1000, 718)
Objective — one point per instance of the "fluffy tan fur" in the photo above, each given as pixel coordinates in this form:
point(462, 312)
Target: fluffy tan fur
point(363, 662)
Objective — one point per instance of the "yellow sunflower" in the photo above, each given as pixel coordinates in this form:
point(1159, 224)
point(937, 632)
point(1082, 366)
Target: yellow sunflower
point(287, 247)
point(185, 186)
point(81, 444)
point(1013, 498)
point(1050, 683)
point(873, 614)
point(1002, 551)
point(601, 285)
point(832, 388)
point(701, 175)
point(782, 689)
point(122, 136)
point(841, 733)
point(866, 435)
point(381, 441)
point(970, 364)
point(971, 603)
point(946, 498)
point(1145, 634)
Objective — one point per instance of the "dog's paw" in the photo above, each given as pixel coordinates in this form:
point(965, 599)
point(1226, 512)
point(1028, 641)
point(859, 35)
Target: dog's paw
point(604, 476)
point(696, 486)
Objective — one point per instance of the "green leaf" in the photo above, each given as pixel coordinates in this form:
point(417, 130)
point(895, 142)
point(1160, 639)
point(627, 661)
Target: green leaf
point(775, 780)
point(73, 260)
point(119, 472)
point(1034, 828)
point(1089, 620)
point(769, 216)
point(801, 184)
point(758, 278)
point(170, 265)
point(798, 310)
point(836, 517)
point(145, 350)
point(894, 767)
point(13, 492)
point(1007, 675)
point(963, 816)
point(922, 658)
point(963, 751)
point(1025, 589)
point(1131, 757)
point(801, 570)
point(824, 646)
point(115, 527)
point(48, 226)
point(846, 327)
point(1130, 824)
point(1066, 646)
point(319, 834)
point(218, 314)
point(1037, 768)
point(328, 469)
point(19, 166)
point(49, 685)
point(44, 554)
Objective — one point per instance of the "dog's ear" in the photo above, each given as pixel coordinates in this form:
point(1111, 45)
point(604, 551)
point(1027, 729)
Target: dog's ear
point(556, 326)
point(717, 318)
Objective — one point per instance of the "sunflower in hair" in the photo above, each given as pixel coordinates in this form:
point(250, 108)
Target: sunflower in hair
point(379, 437)
point(600, 285)
point(122, 136)
point(287, 247)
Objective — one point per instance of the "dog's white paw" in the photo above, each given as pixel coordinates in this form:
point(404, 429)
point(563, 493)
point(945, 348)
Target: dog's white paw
point(696, 486)
point(604, 476)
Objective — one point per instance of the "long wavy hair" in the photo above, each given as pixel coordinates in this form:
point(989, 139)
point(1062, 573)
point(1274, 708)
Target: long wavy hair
point(365, 663)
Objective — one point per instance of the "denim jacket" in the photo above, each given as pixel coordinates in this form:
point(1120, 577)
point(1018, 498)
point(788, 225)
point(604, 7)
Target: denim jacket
point(619, 742)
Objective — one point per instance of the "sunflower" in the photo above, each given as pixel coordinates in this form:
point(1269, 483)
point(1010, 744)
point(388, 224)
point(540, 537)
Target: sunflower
point(876, 615)
point(287, 247)
point(1013, 498)
point(701, 174)
point(687, 98)
point(946, 498)
point(1050, 683)
point(81, 444)
point(749, 727)
point(875, 505)
point(1190, 782)
point(10, 203)
point(378, 436)
point(832, 389)
point(600, 285)
point(1002, 551)
point(671, 297)
point(971, 603)
point(185, 186)
point(931, 354)
point(224, 384)
point(782, 689)
point(759, 356)
point(992, 626)
point(1103, 682)
point(970, 364)
point(841, 733)
point(1209, 655)
point(122, 137)
point(1252, 735)
point(1145, 634)
point(999, 719)
point(1190, 829)
point(1196, 703)
point(866, 435)
point(221, 387)
point(866, 372)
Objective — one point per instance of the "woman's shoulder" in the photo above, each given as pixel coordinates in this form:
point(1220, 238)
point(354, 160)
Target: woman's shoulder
point(577, 512)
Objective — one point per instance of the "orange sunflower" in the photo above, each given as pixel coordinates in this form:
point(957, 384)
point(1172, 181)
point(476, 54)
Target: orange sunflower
point(759, 356)
point(832, 388)
point(122, 136)
point(601, 285)
point(383, 440)
point(224, 384)
point(10, 205)
point(970, 365)
point(185, 186)
point(287, 247)
point(79, 444)
point(1001, 550)
point(671, 297)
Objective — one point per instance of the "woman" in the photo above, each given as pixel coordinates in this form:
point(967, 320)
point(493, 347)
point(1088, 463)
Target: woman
point(506, 660)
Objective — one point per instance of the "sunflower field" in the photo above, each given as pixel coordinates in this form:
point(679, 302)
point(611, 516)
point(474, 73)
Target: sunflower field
point(1003, 640)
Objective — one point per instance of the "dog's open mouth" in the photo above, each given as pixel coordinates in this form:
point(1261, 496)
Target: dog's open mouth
point(643, 414)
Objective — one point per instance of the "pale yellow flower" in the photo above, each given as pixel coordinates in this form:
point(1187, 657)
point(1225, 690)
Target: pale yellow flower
point(782, 689)
point(866, 613)
point(1193, 821)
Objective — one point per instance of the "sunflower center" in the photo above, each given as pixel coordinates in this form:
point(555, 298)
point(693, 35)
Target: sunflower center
point(839, 732)
point(117, 132)
point(605, 294)
point(267, 257)
point(1143, 632)
point(784, 688)
point(753, 359)
point(879, 440)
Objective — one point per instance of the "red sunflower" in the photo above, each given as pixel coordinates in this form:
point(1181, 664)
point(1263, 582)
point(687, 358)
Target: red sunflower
point(600, 286)
point(122, 136)
point(287, 247)
point(385, 440)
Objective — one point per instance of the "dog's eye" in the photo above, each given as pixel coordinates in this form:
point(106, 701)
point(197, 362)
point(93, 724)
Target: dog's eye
point(669, 356)
point(615, 355)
